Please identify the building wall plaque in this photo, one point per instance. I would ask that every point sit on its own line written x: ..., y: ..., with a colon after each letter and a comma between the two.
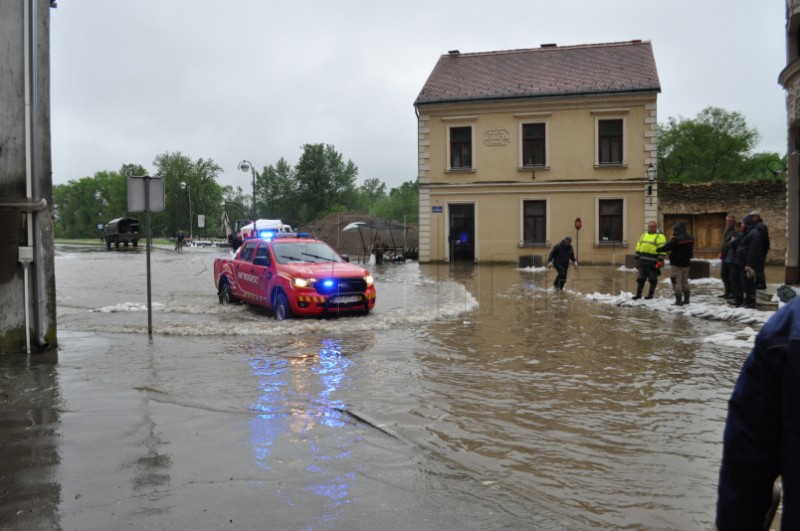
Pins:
x: 496, y: 137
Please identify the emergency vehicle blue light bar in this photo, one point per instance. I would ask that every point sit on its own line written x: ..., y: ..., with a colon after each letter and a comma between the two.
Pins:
x: 292, y: 235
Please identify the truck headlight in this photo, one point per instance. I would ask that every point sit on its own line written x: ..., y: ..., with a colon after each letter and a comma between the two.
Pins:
x: 299, y: 282
x: 369, y: 280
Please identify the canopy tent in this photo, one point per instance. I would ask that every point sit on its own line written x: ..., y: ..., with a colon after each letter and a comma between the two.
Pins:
x: 391, y: 248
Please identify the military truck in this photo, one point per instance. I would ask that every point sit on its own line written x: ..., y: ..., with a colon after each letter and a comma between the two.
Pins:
x: 121, y: 230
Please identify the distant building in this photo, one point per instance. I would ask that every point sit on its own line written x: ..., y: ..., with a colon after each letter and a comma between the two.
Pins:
x: 515, y: 146
x: 790, y: 80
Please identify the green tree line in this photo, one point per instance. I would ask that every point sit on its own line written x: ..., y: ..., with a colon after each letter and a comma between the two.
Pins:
x: 717, y: 145
x: 320, y: 183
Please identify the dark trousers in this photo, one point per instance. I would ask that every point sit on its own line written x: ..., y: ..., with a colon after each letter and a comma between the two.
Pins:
x: 761, y: 280
x: 748, y: 284
x: 647, y: 272
x: 736, y: 280
x: 561, y: 275
x: 725, y: 275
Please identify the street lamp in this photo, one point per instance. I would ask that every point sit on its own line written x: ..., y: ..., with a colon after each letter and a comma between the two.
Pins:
x: 188, y: 189
x: 246, y: 166
x: 651, y: 178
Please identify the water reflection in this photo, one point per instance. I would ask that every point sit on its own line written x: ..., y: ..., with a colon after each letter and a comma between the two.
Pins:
x: 152, y: 466
x: 297, y: 398
x: 30, y: 416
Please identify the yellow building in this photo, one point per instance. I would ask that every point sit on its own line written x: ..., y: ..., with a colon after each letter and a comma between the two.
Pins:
x: 516, y: 146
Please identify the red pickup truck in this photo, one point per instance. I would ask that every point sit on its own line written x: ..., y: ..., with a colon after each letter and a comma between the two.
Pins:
x: 293, y: 274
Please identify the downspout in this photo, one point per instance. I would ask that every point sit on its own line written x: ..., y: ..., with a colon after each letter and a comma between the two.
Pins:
x: 33, y: 183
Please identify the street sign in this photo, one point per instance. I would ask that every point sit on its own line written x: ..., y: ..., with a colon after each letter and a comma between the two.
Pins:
x: 137, y: 202
x: 578, y: 223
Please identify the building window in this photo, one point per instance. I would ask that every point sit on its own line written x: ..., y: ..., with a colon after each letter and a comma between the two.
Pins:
x: 609, y: 222
x: 609, y: 141
x: 534, y: 222
x: 460, y: 148
x: 533, y: 145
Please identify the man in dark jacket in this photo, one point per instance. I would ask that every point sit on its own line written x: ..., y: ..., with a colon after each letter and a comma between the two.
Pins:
x: 762, y: 432
x: 758, y: 224
x: 560, y: 256
x: 681, y: 250
x: 725, y: 268
x: 734, y: 267
x: 750, y: 254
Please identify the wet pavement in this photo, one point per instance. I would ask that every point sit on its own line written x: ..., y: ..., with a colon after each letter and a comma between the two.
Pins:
x: 471, y: 398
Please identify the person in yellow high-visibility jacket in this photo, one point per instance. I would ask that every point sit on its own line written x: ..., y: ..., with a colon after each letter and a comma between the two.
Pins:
x: 648, y: 259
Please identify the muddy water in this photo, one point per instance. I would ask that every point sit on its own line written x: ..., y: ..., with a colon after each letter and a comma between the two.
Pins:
x: 471, y: 398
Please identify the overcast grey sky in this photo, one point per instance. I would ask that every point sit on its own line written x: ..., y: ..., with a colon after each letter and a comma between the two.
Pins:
x: 255, y: 79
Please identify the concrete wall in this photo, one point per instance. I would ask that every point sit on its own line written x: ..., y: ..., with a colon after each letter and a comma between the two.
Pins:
x: 19, y: 228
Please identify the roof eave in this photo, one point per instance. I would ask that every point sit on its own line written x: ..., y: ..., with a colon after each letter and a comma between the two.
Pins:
x: 537, y: 96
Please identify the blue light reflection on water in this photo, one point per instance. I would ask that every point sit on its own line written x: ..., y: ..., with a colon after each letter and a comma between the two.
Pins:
x: 293, y: 402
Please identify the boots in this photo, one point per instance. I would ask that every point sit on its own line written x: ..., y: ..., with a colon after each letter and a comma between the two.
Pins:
x: 685, y: 298
x: 749, y: 301
x: 651, y: 292
x: 639, y: 288
x: 728, y: 291
x: 736, y: 301
x: 678, y: 300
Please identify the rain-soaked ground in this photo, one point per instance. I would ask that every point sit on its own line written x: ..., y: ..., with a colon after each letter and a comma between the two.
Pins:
x: 471, y: 398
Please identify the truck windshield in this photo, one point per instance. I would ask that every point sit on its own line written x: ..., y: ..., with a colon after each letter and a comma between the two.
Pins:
x: 296, y: 252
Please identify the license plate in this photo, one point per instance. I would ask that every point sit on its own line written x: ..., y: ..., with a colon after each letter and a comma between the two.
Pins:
x: 347, y: 299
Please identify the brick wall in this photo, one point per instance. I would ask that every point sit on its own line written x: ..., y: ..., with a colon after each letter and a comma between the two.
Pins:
x: 739, y: 199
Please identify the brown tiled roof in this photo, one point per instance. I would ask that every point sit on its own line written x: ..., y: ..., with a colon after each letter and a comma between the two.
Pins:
x: 539, y: 72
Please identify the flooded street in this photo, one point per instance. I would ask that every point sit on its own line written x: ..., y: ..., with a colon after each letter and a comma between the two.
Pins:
x: 472, y: 397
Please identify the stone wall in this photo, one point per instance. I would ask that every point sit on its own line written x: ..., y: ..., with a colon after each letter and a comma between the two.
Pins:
x: 739, y: 199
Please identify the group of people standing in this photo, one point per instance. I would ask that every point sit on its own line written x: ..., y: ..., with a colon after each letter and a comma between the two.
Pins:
x: 743, y: 254
x: 745, y: 245
x: 651, y: 250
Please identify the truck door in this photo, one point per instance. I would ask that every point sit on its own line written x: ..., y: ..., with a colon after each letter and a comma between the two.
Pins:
x: 264, y: 270
x: 246, y: 277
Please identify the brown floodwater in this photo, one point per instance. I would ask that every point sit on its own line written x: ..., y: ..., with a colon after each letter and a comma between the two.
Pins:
x: 473, y: 397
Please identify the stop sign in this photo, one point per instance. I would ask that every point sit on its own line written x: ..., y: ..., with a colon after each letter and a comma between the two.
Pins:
x: 577, y: 223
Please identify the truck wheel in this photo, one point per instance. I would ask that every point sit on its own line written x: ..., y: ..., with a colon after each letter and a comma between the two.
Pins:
x: 108, y: 243
x: 282, y: 309
x: 225, y: 294
x: 136, y: 243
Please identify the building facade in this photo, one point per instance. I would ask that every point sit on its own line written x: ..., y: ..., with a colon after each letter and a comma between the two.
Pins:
x: 519, y: 149
x: 790, y: 80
